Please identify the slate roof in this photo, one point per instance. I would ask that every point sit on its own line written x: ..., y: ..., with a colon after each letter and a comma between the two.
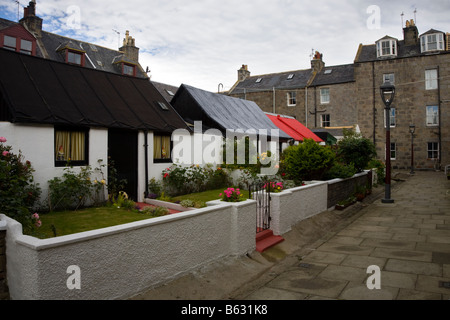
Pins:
x: 275, y: 80
x: 37, y: 90
x: 166, y: 90
x: 97, y: 57
x: 334, y: 75
x: 368, y: 53
x: 221, y: 112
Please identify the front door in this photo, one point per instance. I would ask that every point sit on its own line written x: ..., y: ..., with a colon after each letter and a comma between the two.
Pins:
x: 123, y: 151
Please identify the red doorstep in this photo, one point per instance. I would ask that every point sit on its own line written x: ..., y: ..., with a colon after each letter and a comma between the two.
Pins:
x: 266, y: 239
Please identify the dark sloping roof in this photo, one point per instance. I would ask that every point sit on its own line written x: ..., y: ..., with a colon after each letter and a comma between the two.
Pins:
x: 166, y: 90
x: 221, y: 111
x: 368, y: 53
x: 284, y: 80
x: 37, y: 90
x: 97, y: 57
x: 334, y: 75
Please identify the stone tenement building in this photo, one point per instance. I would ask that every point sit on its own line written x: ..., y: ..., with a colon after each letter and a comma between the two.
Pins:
x: 316, y: 97
x: 348, y: 95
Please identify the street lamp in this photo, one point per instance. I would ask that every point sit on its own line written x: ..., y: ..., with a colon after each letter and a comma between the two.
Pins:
x: 387, y: 91
x: 412, y: 129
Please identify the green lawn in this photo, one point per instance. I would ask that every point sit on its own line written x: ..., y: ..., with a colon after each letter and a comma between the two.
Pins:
x: 206, y: 195
x: 69, y: 222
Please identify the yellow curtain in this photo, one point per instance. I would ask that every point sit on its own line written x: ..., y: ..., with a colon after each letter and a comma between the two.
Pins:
x: 69, y: 145
x: 161, y: 147
x: 165, y: 151
x: 156, y: 147
x: 77, y: 146
x: 62, y: 145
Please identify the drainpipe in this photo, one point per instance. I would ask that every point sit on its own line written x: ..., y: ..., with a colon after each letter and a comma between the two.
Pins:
x: 146, y: 162
x: 440, y: 120
x: 274, y: 108
x: 374, y: 104
x: 306, y: 106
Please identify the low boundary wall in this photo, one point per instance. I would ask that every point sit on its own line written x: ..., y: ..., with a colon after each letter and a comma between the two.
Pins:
x: 123, y: 261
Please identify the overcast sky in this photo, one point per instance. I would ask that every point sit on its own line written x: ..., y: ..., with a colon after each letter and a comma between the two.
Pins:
x: 204, y: 42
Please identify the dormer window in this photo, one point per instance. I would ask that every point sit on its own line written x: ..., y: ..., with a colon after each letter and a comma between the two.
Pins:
x: 128, y: 69
x: 74, y: 57
x: 387, y: 47
x: 17, y: 44
x: 432, y: 42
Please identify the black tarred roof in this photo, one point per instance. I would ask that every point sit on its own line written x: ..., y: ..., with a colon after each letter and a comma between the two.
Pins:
x: 37, y: 90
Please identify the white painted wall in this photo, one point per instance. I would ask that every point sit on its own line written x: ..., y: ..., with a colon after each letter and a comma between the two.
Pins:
x: 122, y: 261
x: 36, y: 142
x: 291, y: 206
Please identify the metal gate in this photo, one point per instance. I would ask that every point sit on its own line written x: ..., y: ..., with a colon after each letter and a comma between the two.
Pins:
x: 261, y: 194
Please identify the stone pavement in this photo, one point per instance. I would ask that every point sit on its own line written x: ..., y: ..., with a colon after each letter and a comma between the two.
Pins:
x: 327, y: 256
x: 408, y: 240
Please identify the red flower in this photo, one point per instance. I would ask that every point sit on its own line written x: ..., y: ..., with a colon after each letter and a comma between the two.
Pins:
x: 166, y: 175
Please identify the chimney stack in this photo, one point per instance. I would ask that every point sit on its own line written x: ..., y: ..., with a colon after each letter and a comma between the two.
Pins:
x: 32, y: 22
x: 129, y: 47
x: 317, y: 63
x: 411, y: 33
x: 243, y: 73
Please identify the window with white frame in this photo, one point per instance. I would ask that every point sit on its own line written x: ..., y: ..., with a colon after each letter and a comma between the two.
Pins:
x: 325, y: 96
x: 292, y: 99
x: 431, y: 79
x: 392, y: 119
x: 386, y: 48
x: 432, y: 42
x: 325, y: 121
x: 433, y: 150
x: 432, y: 116
x: 393, y: 151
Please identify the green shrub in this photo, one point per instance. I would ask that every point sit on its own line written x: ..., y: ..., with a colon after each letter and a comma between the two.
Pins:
x: 339, y: 170
x: 380, y: 169
x: 155, y: 211
x: 306, y: 161
x: 18, y: 192
x: 356, y: 149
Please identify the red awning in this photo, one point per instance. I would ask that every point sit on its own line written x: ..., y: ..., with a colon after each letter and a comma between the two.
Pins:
x: 293, y: 128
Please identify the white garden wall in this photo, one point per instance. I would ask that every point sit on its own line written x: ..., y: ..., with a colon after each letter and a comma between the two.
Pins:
x: 122, y: 261
x: 291, y: 206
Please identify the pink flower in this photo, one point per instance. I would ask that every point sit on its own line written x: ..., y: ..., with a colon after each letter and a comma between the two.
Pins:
x: 35, y: 216
x: 5, y: 153
x: 2, y: 139
x: 38, y: 223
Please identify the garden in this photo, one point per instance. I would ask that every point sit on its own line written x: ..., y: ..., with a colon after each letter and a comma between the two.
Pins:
x: 83, y: 199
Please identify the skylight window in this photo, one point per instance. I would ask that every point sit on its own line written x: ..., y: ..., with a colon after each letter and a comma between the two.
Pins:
x: 290, y: 77
x: 258, y: 80
x: 162, y: 105
x: 329, y: 71
x: 170, y: 92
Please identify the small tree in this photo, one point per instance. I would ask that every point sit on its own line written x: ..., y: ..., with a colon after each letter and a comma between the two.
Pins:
x: 357, y: 150
x: 18, y: 192
x: 306, y: 161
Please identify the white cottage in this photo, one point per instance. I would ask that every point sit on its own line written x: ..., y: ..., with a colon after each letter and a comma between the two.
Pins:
x: 55, y: 112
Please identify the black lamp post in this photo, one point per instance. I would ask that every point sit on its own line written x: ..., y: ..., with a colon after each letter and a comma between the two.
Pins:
x: 412, y: 129
x: 387, y: 91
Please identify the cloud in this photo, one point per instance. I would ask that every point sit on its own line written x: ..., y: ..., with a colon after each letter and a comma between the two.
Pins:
x: 204, y: 42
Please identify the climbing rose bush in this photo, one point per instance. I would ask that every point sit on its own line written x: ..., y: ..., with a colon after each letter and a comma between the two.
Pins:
x: 18, y: 192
